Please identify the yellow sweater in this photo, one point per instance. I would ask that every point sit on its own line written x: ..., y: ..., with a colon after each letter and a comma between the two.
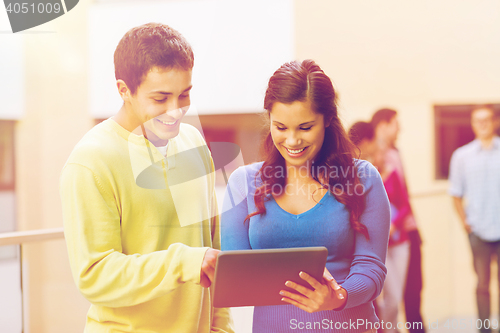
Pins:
x: 135, y: 241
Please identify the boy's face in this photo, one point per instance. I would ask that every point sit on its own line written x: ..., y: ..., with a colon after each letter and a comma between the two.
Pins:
x: 160, y: 102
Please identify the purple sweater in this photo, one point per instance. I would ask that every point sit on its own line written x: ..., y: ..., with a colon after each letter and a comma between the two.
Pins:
x: 355, y: 262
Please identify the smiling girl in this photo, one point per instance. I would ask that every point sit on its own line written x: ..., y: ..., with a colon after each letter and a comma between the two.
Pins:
x: 310, y: 191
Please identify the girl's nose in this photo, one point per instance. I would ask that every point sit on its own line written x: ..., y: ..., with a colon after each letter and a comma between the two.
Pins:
x: 293, y: 141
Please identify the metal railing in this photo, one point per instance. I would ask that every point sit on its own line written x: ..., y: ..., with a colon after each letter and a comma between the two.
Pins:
x: 19, y: 239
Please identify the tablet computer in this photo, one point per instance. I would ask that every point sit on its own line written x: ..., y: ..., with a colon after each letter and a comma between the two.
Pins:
x: 255, y: 277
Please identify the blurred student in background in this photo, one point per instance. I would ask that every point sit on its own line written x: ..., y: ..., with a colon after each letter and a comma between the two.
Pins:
x: 475, y: 176
x: 386, y: 127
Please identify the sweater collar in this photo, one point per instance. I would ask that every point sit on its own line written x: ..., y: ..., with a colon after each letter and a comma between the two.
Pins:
x: 141, y: 141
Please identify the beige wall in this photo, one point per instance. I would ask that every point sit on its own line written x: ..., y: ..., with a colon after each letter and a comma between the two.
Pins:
x: 401, y: 54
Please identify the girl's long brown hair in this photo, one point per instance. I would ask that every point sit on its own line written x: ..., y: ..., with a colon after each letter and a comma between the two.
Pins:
x: 296, y: 81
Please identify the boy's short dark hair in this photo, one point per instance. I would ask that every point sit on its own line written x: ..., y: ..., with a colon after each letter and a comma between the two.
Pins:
x: 150, y: 45
x: 360, y: 131
x: 382, y: 115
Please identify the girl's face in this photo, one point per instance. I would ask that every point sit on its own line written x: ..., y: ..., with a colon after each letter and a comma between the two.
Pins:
x: 297, y: 131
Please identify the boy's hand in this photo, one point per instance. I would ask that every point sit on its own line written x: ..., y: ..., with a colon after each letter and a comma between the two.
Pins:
x: 208, y: 267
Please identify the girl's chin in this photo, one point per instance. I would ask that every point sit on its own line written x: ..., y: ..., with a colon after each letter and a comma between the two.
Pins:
x: 296, y: 162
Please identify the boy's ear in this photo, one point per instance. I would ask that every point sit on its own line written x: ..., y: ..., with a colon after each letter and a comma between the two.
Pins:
x: 123, y: 90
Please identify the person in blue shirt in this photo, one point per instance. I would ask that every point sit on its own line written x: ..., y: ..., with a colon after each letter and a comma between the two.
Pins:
x: 475, y: 176
x: 311, y: 191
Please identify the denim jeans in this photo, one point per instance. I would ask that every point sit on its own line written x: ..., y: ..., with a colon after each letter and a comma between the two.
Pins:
x: 482, y: 253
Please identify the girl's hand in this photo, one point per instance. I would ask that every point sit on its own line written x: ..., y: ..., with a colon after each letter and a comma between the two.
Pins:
x: 325, y: 296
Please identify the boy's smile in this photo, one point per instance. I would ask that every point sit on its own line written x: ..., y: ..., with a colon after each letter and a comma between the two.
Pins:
x: 159, y: 103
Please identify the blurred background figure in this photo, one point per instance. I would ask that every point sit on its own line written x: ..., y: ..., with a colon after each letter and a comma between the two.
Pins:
x: 475, y: 176
x: 362, y: 135
x: 386, y: 127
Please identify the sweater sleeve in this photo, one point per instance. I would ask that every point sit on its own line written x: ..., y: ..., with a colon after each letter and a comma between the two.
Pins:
x: 222, y: 321
x: 367, y: 273
x: 103, y: 274
x: 234, y: 231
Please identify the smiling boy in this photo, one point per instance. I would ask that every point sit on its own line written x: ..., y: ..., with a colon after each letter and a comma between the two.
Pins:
x: 139, y: 251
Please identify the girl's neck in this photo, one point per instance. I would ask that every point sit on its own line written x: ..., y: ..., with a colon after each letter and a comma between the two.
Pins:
x: 298, y: 174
